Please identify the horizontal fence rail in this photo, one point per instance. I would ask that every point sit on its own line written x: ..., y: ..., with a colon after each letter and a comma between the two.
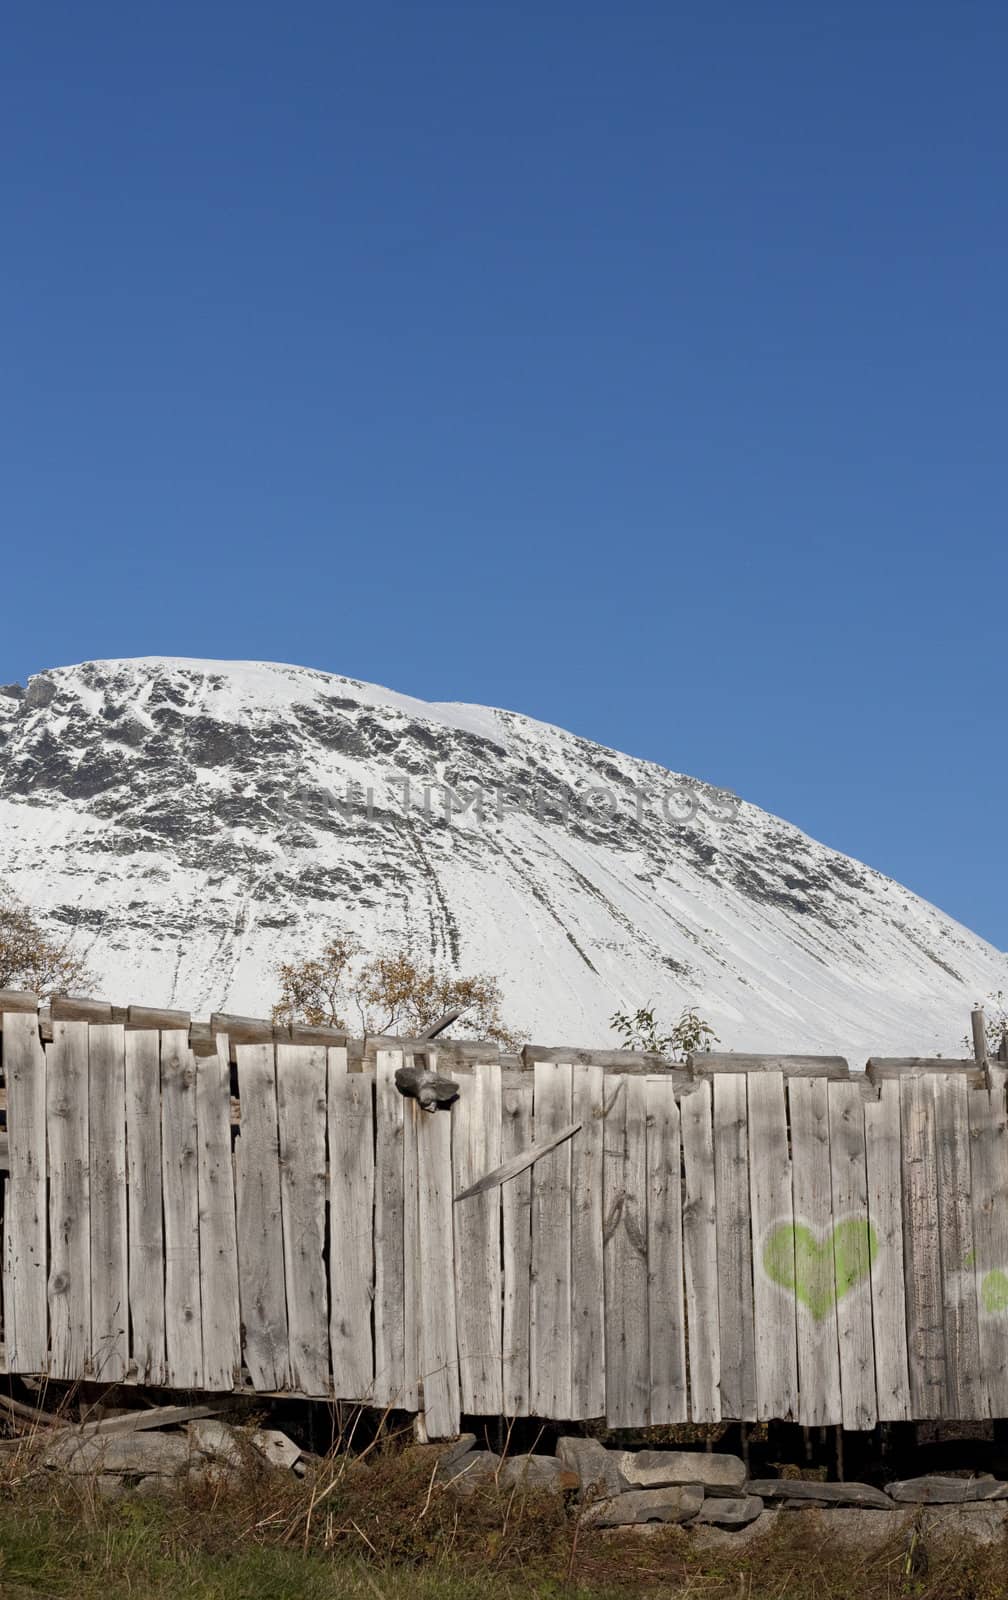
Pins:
x: 748, y: 1238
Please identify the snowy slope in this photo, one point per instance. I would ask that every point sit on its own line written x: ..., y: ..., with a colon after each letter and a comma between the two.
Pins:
x: 192, y: 821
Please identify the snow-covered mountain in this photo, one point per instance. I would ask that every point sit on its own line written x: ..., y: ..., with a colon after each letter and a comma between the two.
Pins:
x: 196, y: 822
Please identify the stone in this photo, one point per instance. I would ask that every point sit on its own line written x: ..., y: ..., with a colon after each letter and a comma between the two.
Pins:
x: 461, y: 1447
x: 652, y: 1469
x: 275, y: 1447
x: 675, y: 1503
x: 707, y: 1536
x: 935, y: 1490
x: 130, y: 1453
x: 858, y: 1528
x: 594, y: 1464
x: 808, y: 1491
x: 730, y: 1511
x: 216, y: 1441
x: 465, y: 1474
x: 538, y: 1472
x: 985, y: 1522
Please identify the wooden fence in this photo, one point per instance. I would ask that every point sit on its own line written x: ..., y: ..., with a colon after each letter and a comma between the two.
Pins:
x: 754, y: 1238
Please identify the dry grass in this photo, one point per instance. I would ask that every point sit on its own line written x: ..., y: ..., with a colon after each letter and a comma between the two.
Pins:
x: 378, y: 1527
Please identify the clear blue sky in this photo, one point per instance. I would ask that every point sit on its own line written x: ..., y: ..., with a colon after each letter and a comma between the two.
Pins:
x: 641, y: 367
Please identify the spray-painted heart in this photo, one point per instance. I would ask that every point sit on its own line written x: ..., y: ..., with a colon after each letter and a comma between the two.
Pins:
x: 994, y: 1291
x: 820, y: 1274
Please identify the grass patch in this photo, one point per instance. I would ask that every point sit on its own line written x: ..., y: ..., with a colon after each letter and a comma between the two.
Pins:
x: 380, y: 1529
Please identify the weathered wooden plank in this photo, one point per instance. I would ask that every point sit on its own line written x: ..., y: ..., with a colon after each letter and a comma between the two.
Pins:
x: 218, y: 1239
x: 819, y: 1400
x: 389, y: 1299
x: 881, y: 1068
x: 146, y: 1228
x: 517, y: 1162
x: 666, y: 1302
x: 624, y: 1254
x: 9, y: 1268
x: 69, y: 1200
x: 26, y: 1331
x: 885, y: 1213
x: 718, y: 1061
x: 989, y: 1195
x: 439, y: 1348
x: 550, y: 1301
x: 412, y: 1390
x: 77, y: 1008
x: 109, y: 1252
x: 855, y: 1251
x: 476, y: 1149
x: 156, y: 1017
x: 12, y: 1000
x: 351, y: 1218
x: 587, y: 1274
x: 516, y: 1219
x: 261, y: 1278
x: 965, y: 1394
x: 921, y: 1251
x: 700, y: 1255
x: 774, y: 1309
x: 180, y: 1190
x: 301, y: 1118
x: 734, y: 1248
x: 636, y: 1063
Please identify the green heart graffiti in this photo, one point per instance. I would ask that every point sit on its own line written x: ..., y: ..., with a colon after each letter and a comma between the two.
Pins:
x: 820, y: 1274
x: 994, y: 1291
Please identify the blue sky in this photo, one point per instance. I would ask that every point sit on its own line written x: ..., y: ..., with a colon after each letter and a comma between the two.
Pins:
x: 639, y: 367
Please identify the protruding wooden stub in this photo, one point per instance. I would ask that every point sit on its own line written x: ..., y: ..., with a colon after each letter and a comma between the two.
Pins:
x: 433, y: 1092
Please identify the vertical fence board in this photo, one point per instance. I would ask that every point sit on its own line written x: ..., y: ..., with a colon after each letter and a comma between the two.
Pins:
x: 964, y: 1390
x: 921, y: 1256
x: 476, y: 1150
x: 587, y: 1277
x: 853, y: 1254
x: 26, y: 1310
x: 516, y: 1218
x: 261, y: 1281
x: 69, y: 1200
x: 666, y: 1304
x: 734, y: 1248
x: 109, y: 1255
x: 773, y: 1248
x: 301, y: 1121
x: 989, y: 1168
x: 218, y: 1242
x: 819, y: 1403
x: 142, y: 1050
x: 180, y: 1178
x: 700, y: 1254
x: 412, y: 1276
x: 627, y: 1359
x: 390, y: 1287
x: 550, y: 1298
x: 439, y: 1346
x: 351, y: 1222
x: 882, y: 1149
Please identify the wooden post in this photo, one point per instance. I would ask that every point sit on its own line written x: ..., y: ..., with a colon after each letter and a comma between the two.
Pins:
x: 979, y: 1035
x: 1003, y: 1052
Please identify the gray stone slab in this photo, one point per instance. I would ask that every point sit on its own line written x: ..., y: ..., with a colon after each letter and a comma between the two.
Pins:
x: 538, y: 1472
x: 730, y: 1511
x: 652, y: 1469
x: 593, y: 1463
x: 676, y: 1503
x: 935, y: 1490
x: 806, y: 1491
x: 985, y: 1522
x: 463, y: 1475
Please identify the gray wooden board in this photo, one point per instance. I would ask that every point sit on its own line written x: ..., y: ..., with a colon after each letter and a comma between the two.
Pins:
x: 819, y: 1403
x: 853, y: 1263
x: 587, y: 1279
x: 624, y: 1250
x: 666, y: 1301
x: 734, y: 1248
x: 700, y: 1255
x: 146, y: 1227
x: 109, y: 1254
x: 26, y: 1227
x: 516, y: 1230
x: 180, y: 1181
x: 351, y: 1215
x: 261, y: 1278
x: 439, y: 1344
x: 921, y: 1251
x: 774, y: 1311
x: 301, y: 1121
x: 882, y: 1150
x: 412, y: 1276
x: 389, y: 1297
x: 476, y: 1149
x: 965, y: 1396
x: 550, y: 1295
x: 69, y: 1200
x: 9, y: 1268
x: 989, y: 1195
x: 218, y: 1239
